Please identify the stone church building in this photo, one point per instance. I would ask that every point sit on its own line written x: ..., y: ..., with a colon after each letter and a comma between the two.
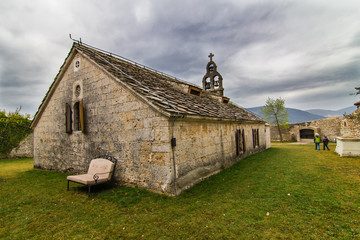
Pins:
x: 167, y: 134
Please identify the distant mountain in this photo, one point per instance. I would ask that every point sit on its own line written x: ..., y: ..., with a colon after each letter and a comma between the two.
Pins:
x: 331, y: 113
x: 295, y: 115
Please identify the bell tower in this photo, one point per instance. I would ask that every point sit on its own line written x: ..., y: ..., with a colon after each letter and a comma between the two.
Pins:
x: 212, y: 80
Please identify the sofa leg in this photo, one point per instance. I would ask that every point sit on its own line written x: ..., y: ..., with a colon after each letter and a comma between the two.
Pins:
x: 89, y: 190
x: 68, y: 185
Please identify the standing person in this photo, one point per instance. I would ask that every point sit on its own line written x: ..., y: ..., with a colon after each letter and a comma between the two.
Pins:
x: 317, y: 141
x: 325, y: 142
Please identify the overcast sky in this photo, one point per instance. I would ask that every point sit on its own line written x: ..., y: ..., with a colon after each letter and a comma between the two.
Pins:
x: 306, y: 51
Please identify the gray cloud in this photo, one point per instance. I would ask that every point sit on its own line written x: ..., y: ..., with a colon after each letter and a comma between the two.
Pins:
x: 292, y: 49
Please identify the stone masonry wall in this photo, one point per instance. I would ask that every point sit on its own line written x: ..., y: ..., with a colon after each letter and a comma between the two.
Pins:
x: 329, y: 127
x: 116, y: 123
x: 350, y: 127
x: 206, y: 147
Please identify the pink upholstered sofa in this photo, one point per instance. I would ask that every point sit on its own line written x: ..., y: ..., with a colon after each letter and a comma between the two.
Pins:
x: 101, y: 170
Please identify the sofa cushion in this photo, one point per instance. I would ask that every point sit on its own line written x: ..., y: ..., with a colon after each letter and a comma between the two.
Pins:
x: 102, y: 167
x: 87, y: 179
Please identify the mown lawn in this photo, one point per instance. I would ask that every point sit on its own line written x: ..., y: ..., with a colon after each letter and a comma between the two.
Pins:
x: 286, y: 192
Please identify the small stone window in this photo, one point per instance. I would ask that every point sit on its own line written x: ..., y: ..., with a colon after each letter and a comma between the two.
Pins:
x: 225, y: 100
x: 77, y: 90
x: 194, y: 91
x: 77, y: 64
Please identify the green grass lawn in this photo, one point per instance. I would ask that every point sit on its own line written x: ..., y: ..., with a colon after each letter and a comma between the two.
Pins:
x: 286, y: 192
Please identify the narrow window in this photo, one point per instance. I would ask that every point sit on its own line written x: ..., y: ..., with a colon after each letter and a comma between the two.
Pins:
x: 240, y: 141
x: 254, y: 141
x: 237, y: 142
x: 79, y: 116
x: 68, y: 118
x: 243, y: 140
x: 255, y: 133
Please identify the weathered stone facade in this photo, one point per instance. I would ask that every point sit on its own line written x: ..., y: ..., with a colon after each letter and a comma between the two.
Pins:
x: 117, y: 123
x: 153, y: 137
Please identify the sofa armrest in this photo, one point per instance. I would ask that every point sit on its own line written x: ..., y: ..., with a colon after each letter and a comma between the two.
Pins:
x: 96, y: 176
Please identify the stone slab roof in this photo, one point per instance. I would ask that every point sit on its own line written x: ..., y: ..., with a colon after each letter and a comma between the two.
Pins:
x: 164, y: 91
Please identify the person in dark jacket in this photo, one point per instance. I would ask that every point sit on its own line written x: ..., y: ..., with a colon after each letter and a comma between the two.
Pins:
x: 325, y: 142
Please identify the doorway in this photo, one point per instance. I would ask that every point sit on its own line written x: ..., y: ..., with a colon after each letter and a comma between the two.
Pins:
x: 306, y: 134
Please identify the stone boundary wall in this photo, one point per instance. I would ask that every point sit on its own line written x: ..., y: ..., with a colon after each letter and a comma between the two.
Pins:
x: 350, y: 127
x: 330, y: 127
x: 25, y: 149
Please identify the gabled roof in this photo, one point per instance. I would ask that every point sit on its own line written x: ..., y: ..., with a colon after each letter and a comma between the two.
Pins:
x: 160, y: 90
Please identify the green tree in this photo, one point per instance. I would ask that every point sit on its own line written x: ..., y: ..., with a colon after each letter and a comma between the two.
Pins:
x: 275, y: 113
x: 14, y: 127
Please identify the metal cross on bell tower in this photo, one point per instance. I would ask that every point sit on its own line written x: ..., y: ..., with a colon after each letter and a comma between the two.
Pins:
x: 210, y: 56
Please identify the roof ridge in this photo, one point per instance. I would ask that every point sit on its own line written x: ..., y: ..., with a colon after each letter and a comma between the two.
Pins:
x: 111, y: 54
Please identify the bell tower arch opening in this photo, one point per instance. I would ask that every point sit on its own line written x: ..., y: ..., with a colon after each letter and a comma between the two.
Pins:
x: 212, y: 80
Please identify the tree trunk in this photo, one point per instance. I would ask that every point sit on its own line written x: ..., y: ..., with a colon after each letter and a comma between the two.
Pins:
x: 278, y: 126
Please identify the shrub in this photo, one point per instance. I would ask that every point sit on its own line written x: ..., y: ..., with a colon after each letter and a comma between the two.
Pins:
x: 14, y: 127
